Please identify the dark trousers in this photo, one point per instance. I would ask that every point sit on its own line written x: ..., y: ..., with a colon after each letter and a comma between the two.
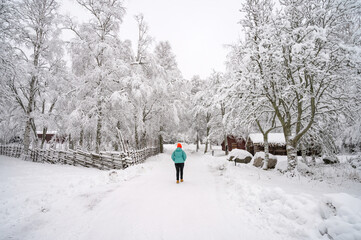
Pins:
x: 179, y: 167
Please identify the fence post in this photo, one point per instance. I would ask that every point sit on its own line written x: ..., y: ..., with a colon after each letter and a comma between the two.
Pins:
x: 113, y: 161
x: 85, y: 161
x: 74, y: 158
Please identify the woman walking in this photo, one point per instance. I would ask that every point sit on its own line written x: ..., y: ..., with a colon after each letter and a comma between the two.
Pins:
x: 179, y: 157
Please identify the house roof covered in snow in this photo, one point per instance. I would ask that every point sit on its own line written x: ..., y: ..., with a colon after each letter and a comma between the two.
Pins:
x: 273, y: 138
x: 48, y: 132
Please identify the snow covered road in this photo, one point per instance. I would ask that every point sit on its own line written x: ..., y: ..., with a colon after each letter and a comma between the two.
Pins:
x: 155, y: 207
x: 216, y: 201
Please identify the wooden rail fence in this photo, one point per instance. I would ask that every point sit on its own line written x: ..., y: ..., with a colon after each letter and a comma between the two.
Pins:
x: 104, y: 160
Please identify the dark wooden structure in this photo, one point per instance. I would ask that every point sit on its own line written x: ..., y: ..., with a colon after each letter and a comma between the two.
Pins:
x: 276, y: 143
x: 234, y: 143
x: 254, y: 143
x: 50, y: 136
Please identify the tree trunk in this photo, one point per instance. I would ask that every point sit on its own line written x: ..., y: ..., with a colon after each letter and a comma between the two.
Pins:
x: 207, y: 140
x: 226, y: 143
x: 89, y: 140
x: 71, y: 142
x: 33, y: 127
x: 29, y: 111
x: 197, y: 144
x: 223, y: 113
x: 120, y: 138
x: 81, y: 140
x: 208, y: 119
x: 116, y: 146
x: 206, y: 147
x: 266, y: 151
x: 144, y: 139
x: 313, y: 152
x: 27, y: 136
x: 291, y: 154
x: 303, y: 152
x: 161, y: 140
x: 313, y: 160
x: 43, y: 137
x: 99, y: 128
x: 136, y: 133
x: 161, y: 143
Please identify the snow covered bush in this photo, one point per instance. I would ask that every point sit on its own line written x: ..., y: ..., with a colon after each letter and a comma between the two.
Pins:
x: 240, y: 156
x: 342, y: 216
x: 355, y: 162
x: 330, y: 159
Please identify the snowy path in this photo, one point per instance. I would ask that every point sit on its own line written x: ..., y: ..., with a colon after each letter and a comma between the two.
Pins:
x: 154, y: 207
x: 42, y: 201
x: 149, y: 205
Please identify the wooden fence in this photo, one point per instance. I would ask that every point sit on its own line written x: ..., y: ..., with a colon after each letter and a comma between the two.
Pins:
x: 104, y: 160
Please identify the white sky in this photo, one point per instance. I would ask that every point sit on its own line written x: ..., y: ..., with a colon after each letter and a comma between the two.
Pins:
x: 196, y: 29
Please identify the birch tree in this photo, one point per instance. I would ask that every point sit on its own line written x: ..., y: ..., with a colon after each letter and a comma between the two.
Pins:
x: 99, y: 69
x: 318, y: 60
x: 10, y: 120
x: 310, y: 56
x: 253, y: 71
x: 37, y: 32
x: 170, y: 97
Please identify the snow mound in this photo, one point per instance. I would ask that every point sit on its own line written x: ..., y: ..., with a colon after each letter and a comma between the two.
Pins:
x: 281, y: 165
x: 296, y: 214
x: 240, y: 156
x: 342, y: 216
x: 355, y: 162
x: 303, y: 168
x: 262, y: 155
x: 239, y: 153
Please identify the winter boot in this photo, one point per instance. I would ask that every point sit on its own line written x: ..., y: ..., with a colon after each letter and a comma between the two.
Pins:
x: 181, y: 180
x: 177, y: 181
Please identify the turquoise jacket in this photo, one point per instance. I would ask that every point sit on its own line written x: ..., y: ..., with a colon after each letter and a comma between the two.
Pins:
x: 179, y: 156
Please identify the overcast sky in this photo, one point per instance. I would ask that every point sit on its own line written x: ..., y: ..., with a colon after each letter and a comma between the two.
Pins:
x: 196, y: 29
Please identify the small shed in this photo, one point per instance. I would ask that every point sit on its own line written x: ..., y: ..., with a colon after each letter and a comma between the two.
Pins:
x: 276, y: 143
x: 234, y: 143
x: 50, y: 135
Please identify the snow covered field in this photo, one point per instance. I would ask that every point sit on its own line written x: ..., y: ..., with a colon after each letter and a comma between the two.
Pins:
x: 217, y: 201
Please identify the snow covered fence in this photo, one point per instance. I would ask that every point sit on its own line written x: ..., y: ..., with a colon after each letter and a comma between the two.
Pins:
x: 11, y: 150
x: 103, y: 161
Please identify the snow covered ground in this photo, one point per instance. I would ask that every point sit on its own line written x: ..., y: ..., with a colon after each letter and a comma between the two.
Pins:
x: 217, y: 201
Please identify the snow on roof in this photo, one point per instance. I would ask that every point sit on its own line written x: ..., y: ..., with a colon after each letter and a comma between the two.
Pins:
x: 48, y: 132
x: 239, y: 153
x: 273, y: 138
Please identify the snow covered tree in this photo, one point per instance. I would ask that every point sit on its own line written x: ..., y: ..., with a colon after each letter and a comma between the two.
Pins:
x: 197, y: 115
x: 219, y: 98
x: 205, y: 107
x: 35, y: 41
x: 140, y: 90
x: 96, y: 62
x: 254, y: 70
x: 318, y: 60
x: 10, y: 116
x: 169, y: 101
x: 303, y: 59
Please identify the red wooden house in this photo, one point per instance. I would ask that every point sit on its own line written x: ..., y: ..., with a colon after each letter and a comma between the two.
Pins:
x: 276, y: 143
x: 50, y: 135
x: 234, y: 143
